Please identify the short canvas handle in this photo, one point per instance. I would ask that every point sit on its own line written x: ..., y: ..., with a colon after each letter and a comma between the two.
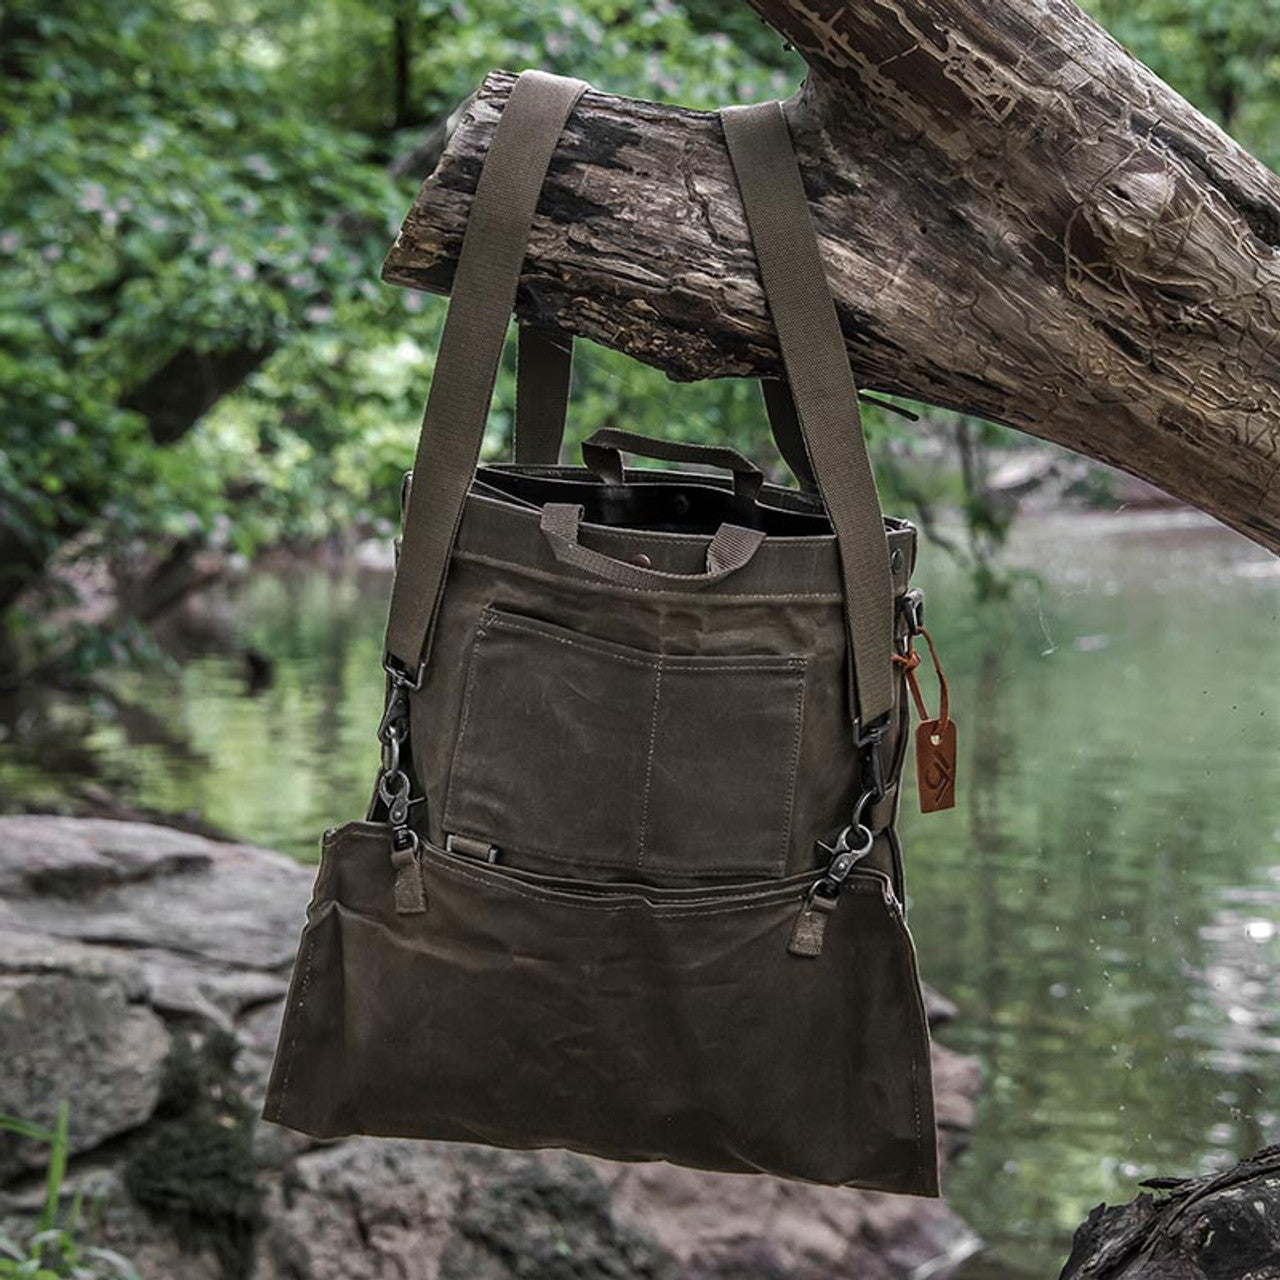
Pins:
x: 728, y: 551
x: 602, y: 453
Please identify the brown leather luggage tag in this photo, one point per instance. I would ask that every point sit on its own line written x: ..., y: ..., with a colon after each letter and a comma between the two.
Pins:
x: 935, y: 738
x: 936, y: 764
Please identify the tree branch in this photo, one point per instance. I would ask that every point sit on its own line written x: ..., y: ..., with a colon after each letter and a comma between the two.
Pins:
x: 1019, y: 220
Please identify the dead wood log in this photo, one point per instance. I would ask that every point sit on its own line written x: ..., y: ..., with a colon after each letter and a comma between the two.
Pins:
x: 1019, y: 219
x: 1224, y: 1226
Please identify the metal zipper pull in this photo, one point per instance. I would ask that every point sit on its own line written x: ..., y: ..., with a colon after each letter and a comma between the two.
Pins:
x: 408, y: 892
x: 810, y: 929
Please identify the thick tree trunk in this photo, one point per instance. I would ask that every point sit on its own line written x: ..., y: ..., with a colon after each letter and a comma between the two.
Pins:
x: 1020, y: 221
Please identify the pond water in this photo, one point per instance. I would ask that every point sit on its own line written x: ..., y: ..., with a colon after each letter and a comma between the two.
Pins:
x: 1103, y: 903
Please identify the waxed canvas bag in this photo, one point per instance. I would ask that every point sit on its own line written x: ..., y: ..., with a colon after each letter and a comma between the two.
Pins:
x: 630, y: 883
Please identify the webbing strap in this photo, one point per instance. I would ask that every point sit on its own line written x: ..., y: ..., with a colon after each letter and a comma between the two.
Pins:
x: 483, y: 296
x: 784, y: 422
x: 826, y: 399
x: 544, y: 372
x: 730, y: 548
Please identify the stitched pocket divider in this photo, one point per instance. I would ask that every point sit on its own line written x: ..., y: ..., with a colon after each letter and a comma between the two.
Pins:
x: 582, y: 751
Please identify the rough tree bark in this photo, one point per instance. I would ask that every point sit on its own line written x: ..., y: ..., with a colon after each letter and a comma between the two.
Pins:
x: 1222, y: 1226
x: 1020, y: 221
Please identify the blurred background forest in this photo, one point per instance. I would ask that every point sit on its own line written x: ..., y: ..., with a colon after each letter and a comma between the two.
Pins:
x: 203, y: 374
x: 195, y: 199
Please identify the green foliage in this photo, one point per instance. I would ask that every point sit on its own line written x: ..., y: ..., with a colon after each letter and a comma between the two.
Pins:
x: 212, y: 176
x: 159, y: 192
x: 54, y: 1251
x: 1222, y: 55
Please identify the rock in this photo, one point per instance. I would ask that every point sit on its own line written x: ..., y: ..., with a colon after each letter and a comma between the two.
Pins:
x: 55, y: 856
x: 135, y: 961
x: 227, y: 904
x: 179, y: 985
x: 724, y: 1226
x: 436, y: 1211
x: 938, y: 1009
x: 28, y: 952
x: 75, y: 1039
x: 439, y: 1211
x: 956, y: 1079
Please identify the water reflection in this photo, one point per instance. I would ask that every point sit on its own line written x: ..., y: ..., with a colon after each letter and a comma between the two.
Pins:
x: 1102, y: 902
x: 1120, y: 784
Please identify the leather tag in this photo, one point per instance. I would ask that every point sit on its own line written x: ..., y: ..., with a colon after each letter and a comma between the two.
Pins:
x: 936, y: 765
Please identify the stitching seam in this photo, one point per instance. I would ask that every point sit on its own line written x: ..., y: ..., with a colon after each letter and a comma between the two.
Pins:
x: 736, y: 869
x: 472, y: 667
x: 296, y: 1013
x: 728, y: 907
x: 602, y: 588
x: 606, y: 648
x: 789, y: 800
x: 648, y: 771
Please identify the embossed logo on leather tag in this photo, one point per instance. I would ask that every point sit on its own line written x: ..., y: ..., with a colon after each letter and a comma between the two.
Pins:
x: 936, y: 764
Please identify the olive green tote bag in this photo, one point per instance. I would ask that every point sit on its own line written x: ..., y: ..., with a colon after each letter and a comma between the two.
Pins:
x: 630, y: 883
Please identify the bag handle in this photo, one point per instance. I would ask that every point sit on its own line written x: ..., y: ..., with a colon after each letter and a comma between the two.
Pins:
x: 544, y: 372
x: 785, y: 425
x: 826, y: 398
x: 602, y: 453
x: 728, y: 551
x: 544, y: 375
x: 483, y: 297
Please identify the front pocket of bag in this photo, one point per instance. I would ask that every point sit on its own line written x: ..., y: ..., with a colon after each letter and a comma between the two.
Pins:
x: 593, y: 753
x: 630, y: 1022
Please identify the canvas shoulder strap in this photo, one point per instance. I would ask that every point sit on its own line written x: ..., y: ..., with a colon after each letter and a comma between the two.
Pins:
x: 483, y: 297
x: 822, y: 386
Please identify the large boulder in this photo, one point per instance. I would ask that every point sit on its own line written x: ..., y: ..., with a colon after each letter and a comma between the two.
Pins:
x: 66, y: 1037
x: 142, y: 975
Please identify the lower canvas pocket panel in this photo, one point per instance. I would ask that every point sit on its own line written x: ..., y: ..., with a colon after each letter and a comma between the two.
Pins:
x: 598, y: 754
x: 618, y: 1020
